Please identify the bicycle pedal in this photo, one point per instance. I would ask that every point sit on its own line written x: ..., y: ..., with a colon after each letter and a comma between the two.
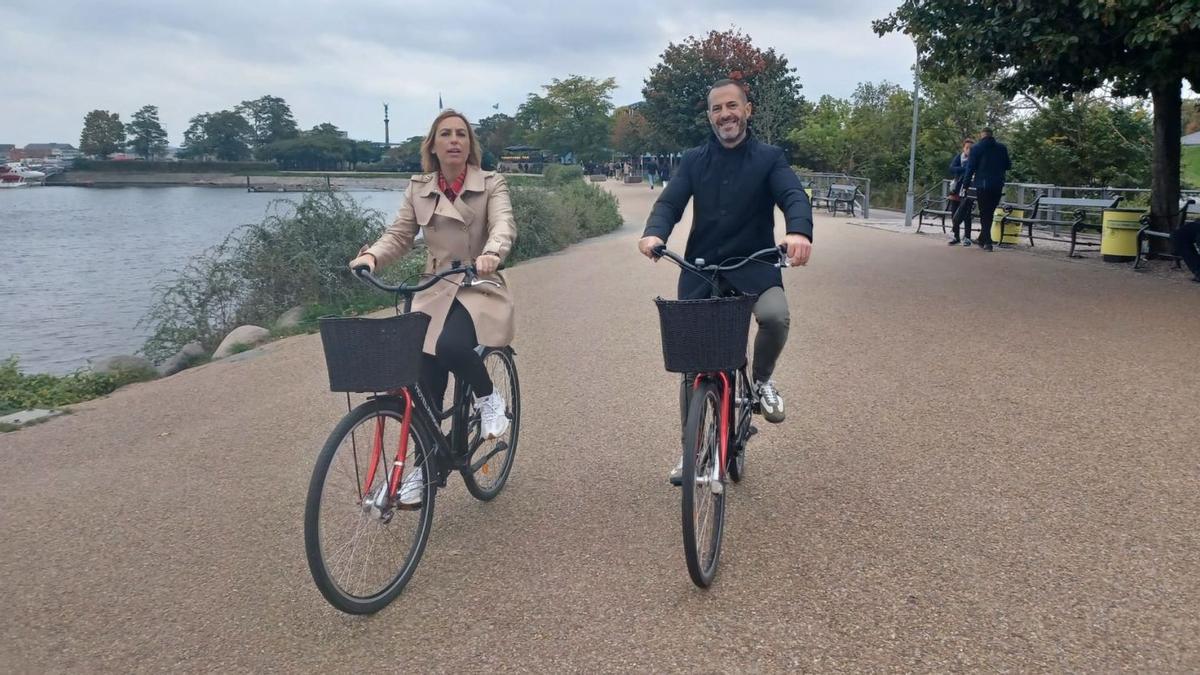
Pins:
x: 753, y: 430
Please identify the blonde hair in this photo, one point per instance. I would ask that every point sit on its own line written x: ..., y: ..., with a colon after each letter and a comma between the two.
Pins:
x: 429, y: 161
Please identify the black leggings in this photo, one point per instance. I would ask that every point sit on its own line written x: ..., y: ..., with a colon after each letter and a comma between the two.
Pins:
x: 455, y: 354
x: 962, y: 215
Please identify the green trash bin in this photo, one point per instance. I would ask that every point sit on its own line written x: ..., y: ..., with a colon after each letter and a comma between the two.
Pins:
x: 1118, y: 238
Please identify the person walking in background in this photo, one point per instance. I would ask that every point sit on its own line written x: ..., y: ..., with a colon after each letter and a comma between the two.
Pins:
x: 986, y: 168
x: 959, y: 204
x: 651, y: 169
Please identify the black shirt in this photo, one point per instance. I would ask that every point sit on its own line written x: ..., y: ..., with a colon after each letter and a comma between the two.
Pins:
x: 735, y: 192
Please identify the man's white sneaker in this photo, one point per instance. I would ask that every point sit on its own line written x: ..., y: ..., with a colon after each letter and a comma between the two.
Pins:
x: 770, y: 401
x: 493, y: 417
x: 412, y: 488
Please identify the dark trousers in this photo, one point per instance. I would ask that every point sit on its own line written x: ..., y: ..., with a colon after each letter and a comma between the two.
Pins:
x: 988, y: 201
x: 1183, y: 241
x: 962, y: 216
x: 455, y: 353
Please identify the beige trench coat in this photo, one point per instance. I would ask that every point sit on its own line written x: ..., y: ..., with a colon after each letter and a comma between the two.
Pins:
x: 480, y: 219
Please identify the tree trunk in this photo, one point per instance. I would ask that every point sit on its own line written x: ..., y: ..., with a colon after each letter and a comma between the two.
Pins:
x: 1164, y: 181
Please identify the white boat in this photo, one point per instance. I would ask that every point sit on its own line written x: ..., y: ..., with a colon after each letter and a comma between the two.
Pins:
x: 14, y: 175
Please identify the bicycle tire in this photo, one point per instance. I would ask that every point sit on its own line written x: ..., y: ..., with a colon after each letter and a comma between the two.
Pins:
x: 701, y: 447
x: 487, y: 490
x: 322, y: 565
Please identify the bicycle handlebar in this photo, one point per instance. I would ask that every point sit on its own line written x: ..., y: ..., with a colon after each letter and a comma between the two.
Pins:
x: 661, y: 251
x: 364, y: 274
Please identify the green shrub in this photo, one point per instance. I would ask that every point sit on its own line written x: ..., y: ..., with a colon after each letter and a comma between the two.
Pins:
x: 543, y: 225
x: 593, y: 210
x: 19, y: 391
x: 296, y: 256
x: 562, y: 174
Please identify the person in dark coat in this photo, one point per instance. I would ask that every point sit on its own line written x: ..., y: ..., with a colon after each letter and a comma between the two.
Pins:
x: 735, y: 183
x: 986, y: 169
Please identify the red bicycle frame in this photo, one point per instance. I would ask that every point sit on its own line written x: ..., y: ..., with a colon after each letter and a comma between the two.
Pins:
x: 401, y: 450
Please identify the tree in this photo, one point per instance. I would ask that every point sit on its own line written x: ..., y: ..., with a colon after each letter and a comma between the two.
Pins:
x: 310, y: 151
x: 1087, y: 141
x: 407, y: 155
x: 572, y: 117
x: 676, y: 91
x: 496, y: 132
x: 271, y: 119
x: 102, y: 135
x: 326, y: 129
x: 631, y: 133
x: 225, y: 135
x: 364, y: 152
x: 823, y: 143
x: 147, y: 138
x: 1064, y: 47
x: 1191, y: 116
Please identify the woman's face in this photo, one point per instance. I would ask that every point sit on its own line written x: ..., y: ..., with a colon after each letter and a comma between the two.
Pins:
x: 967, y: 148
x: 451, y: 141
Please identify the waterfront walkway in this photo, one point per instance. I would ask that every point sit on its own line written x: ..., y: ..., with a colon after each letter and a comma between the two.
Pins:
x: 990, y: 462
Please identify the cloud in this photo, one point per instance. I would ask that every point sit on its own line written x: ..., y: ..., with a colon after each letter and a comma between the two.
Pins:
x: 337, y: 62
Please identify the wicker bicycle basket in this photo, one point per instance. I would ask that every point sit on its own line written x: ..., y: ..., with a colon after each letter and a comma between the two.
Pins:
x: 369, y: 355
x: 705, y: 335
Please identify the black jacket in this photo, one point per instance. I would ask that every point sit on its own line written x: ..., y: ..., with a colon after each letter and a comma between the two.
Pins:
x: 987, y: 165
x: 735, y: 192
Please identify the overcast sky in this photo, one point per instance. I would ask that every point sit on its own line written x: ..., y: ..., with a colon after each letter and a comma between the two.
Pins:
x: 340, y: 60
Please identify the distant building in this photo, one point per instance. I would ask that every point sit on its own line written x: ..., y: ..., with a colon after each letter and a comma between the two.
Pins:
x: 5, y: 149
x: 63, y: 152
x: 521, y: 159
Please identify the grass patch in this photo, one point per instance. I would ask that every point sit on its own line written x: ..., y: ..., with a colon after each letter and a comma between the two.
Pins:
x: 1190, y: 166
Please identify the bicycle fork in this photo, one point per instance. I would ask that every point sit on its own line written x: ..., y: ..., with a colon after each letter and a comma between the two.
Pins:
x: 715, y: 480
x: 380, y: 502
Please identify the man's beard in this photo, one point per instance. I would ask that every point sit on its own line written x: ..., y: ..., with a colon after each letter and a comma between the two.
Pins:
x: 738, y: 131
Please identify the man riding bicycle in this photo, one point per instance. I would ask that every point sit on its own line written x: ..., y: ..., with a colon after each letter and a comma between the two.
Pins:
x: 736, y: 182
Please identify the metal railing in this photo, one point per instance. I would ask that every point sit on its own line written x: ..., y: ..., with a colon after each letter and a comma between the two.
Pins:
x: 820, y: 182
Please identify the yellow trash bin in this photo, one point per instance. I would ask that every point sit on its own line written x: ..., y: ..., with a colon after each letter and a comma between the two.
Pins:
x: 1119, y: 228
x: 1012, y: 231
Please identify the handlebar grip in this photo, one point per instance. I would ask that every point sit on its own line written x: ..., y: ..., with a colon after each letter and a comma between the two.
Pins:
x: 658, y: 250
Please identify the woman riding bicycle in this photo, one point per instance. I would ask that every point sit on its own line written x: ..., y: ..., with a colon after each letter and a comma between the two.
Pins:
x: 465, y: 215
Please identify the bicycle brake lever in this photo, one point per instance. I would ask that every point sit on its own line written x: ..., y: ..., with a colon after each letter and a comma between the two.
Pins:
x: 477, y: 282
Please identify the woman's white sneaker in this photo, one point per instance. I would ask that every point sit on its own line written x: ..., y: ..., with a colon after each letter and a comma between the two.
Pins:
x: 493, y: 417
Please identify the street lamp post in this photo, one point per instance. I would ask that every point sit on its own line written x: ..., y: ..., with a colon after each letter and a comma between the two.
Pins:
x: 912, y: 146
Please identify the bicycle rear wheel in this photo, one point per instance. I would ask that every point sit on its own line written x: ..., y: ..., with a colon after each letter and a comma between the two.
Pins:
x: 495, y: 457
x: 362, y: 547
x: 703, y: 506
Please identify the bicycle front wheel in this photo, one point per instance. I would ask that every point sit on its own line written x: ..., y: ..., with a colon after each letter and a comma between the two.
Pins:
x: 493, y: 459
x: 703, y: 497
x: 363, y: 547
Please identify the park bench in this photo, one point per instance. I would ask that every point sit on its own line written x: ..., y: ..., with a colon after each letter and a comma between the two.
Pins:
x: 837, y: 194
x: 1145, y: 234
x: 929, y: 208
x: 1043, y: 209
